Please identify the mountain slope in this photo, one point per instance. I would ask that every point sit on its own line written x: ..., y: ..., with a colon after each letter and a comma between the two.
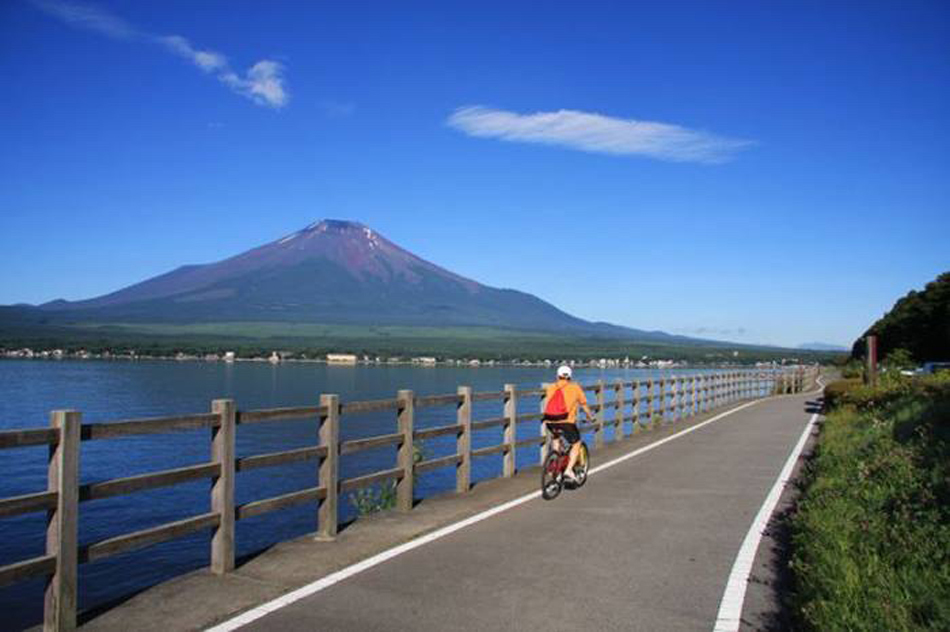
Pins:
x: 330, y: 272
x: 821, y: 346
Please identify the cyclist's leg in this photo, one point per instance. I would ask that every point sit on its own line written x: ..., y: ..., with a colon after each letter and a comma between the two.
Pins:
x: 555, y: 437
x: 572, y: 435
x: 575, y: 454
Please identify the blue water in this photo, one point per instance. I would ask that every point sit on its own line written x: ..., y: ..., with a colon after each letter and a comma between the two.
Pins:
x: 112, y: 390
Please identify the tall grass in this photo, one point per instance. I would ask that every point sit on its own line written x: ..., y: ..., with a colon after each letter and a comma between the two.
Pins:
x: 871, y: 537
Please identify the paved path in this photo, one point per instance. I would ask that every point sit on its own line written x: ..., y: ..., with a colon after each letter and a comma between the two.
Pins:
x: 646, y: 545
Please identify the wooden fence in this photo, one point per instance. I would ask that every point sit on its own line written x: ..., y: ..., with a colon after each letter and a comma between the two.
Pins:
x: 645, y: 403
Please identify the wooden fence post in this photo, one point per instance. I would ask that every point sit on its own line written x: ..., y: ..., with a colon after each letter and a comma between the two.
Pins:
x: 510, y: 463
x: 651, y: 401
x: 688, y: 396
x: 406, y: 458
x: 675, y: 394
x: 619, y: 406
x: 222, y: 486
x: 661, y: 396
x: 636, y: 407
x: 544, y: 432
x: 694, y: 382
x: 599, y: 432
x: 684, y: 397
x: 669, y: 398
x: 62, y: 522
x: 698, y: 394
x: 327, y: 517
x: 463, y: 471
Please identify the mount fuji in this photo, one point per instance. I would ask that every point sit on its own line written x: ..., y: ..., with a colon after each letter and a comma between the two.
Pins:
x: 332, y: 271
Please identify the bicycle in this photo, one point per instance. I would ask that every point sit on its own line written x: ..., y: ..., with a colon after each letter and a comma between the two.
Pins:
x: 552, y: 472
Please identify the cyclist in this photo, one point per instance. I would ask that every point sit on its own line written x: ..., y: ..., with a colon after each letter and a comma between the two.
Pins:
x: 563, y: 399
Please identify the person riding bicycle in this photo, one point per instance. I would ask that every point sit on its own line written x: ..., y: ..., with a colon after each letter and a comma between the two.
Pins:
x: 563, y: 399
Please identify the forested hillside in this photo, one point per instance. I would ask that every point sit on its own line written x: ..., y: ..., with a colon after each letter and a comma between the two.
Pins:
x: 919, y: 323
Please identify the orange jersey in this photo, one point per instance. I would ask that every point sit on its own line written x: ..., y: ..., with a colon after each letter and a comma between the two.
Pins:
x: 573, y: 397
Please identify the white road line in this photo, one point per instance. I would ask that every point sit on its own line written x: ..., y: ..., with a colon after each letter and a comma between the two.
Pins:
x: 730, y: 608
x: 334, y: 578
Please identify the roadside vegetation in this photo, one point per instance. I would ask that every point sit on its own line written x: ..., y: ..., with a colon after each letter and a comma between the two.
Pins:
x: 871, y: 536
x: 383, y: 496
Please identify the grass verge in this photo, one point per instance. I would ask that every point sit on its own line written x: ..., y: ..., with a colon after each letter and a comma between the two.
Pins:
x: 871, y: 537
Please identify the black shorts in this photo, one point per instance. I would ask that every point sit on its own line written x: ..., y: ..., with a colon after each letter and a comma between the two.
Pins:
x: 568, y: 431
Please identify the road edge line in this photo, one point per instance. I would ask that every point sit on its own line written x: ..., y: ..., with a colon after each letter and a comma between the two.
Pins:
x: 729, y: 616
x: 321, y: 584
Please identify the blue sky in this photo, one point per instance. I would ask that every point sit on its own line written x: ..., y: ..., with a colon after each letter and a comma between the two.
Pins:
x: 759, y: 172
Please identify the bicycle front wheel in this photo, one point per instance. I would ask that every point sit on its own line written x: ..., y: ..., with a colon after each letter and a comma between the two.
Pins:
x: 550, y: 477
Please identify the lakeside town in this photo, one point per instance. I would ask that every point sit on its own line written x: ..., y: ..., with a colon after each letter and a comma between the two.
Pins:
x: 351, y: 359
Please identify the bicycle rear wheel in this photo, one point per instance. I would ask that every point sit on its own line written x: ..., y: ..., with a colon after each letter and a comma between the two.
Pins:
x: 550, y: 477
x: 582, y: 467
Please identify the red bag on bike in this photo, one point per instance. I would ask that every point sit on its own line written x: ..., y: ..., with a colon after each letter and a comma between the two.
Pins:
x: 556, y: 408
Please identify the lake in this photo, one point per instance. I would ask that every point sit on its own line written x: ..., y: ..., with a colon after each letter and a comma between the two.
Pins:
x: 112, y: 390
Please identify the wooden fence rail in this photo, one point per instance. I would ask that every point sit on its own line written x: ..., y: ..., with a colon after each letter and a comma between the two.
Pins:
x: 645, y: 403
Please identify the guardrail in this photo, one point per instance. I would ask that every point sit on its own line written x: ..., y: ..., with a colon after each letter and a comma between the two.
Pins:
x: 646, y: 403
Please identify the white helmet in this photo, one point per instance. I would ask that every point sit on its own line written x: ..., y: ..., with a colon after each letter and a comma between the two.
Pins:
x: 564, y: 371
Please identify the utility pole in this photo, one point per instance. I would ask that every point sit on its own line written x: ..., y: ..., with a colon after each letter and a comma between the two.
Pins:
x: 870, y: 375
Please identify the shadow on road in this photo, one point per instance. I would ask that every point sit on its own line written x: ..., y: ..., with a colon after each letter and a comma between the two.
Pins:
x: 815, y: 406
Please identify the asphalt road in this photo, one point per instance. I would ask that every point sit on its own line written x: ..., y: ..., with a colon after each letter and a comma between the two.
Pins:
x: 646, y: 545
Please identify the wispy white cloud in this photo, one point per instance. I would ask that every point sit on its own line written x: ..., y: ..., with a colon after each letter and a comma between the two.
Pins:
x: 207, y: 60
x: 263, y: 83
x: 597, y: 133
x: 89, y: 17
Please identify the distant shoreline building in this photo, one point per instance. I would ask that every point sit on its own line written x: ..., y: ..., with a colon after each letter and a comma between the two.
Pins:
x: 341, y: 358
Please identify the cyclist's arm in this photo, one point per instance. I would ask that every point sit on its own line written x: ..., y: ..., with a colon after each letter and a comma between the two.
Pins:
x: 583, y: 400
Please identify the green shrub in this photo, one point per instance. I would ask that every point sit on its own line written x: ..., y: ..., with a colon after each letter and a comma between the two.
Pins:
x: 853, y: 369
x: 836, y: 391
x: 871, y: 537
x: 376, y: 498
x: 373, y: 499
x: 899, y: 359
